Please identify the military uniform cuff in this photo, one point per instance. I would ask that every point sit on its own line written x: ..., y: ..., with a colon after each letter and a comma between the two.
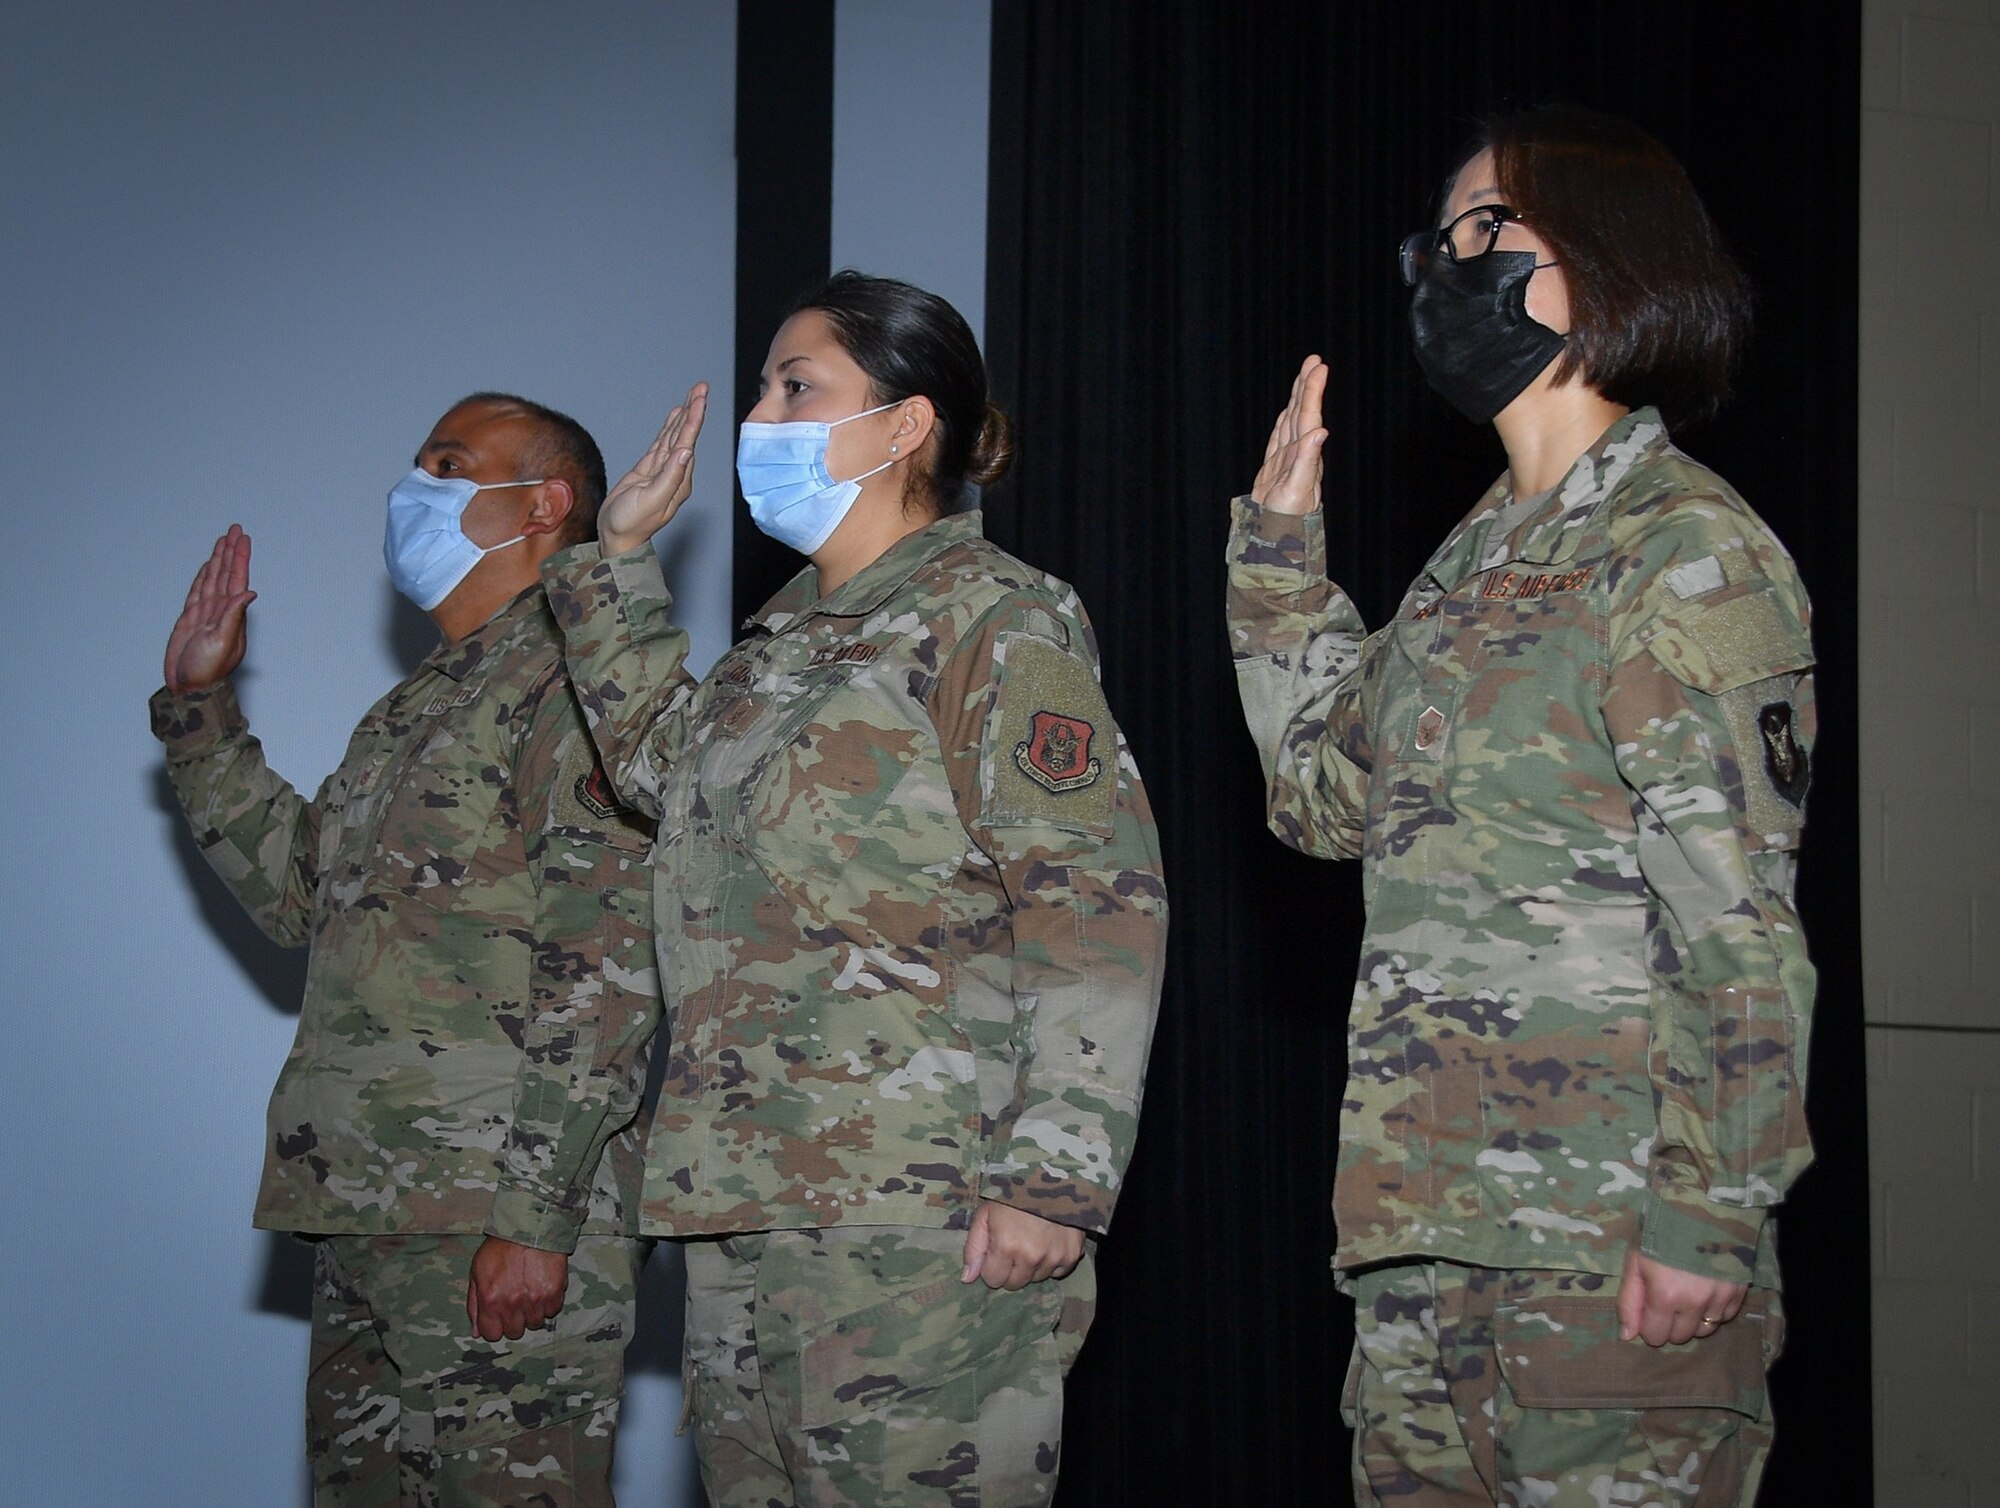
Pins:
x: 527, y: 1219
x: 1067, y: 1201
x: 1684, y: 1228
x: 188, y: 721
x: 1263, y: 539
x: 583, y: 578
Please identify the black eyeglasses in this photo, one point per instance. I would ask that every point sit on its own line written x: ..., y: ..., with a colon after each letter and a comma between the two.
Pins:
x: 1466, y: 239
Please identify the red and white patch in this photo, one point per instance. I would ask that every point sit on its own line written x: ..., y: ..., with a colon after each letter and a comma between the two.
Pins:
x: 595, y: 795
x: 1056, y: 755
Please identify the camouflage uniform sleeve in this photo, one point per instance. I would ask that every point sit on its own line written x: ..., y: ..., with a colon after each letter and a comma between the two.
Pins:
x: 258, y: 833
x: 1296, y: 641
x: 593, y: 991
x: 1050, y: 795
x: 1709, y: 708
x: 627, y: 661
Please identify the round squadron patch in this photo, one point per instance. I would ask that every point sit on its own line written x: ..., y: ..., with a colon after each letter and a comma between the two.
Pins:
x: 1056, y: 753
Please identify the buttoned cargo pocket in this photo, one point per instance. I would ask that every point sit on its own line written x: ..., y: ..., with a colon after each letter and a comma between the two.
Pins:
x: 906, y: 1350
x: 1562, y: 1351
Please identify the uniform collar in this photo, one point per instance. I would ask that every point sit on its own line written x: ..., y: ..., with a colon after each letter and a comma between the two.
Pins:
x: 1552, y: 532
x: 457, y: 661
x: 874, y: 583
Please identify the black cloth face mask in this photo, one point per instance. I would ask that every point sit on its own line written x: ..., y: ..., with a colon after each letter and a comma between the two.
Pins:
x: 1475, y: 341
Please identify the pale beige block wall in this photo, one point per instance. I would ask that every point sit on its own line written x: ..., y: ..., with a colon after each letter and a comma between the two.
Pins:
x: 1930, y: 739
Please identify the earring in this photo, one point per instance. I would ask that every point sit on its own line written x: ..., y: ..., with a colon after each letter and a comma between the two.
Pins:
x: 892, y: 450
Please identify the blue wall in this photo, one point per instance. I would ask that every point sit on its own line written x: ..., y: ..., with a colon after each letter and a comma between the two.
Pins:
x: 910, y: 82
x: 249, y: 253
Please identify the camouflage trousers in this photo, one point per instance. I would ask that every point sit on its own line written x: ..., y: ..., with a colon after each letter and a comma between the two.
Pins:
x: 406, y: 1406
x: 1474, y: 1385
x: 850, y: 1366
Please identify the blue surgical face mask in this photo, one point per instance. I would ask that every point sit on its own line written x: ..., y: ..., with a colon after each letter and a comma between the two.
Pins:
x: 424, y: 545
x: 782, y: 468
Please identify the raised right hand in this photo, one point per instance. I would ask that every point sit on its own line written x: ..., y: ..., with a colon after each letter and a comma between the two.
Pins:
x: 206, y: 645
x: 651, y: 493
x: 1288, y: 481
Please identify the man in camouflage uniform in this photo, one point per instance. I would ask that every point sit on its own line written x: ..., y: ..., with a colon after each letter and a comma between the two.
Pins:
x: 912, y: 924
x: 453, y: 1125
x: 1574, y: 769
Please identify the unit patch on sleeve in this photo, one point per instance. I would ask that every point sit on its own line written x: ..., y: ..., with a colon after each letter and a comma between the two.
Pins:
x: 583, y: 802
x: 1763, y: 729
x: 1050, y: 750
x: 1056, y: 753
x: 594, y: 793
x: 1784, y: 761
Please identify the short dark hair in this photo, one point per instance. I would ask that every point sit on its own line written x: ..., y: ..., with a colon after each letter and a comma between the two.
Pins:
x: 912, y: 343
x: 1659, y: 310
x: 559, y: 447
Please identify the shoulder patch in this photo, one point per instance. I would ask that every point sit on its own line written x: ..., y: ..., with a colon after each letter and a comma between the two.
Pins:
x: 584, y: 804
x: 1056, y: 753
x: 1050, y: 751
x: 1773, y: 764
x: 1785, y: 761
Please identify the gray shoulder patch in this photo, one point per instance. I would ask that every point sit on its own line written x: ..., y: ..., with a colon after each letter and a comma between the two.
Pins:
x: 1697, y: 578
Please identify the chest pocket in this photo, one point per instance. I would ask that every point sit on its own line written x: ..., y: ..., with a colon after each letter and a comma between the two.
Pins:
x: 1502, y: 653
x: 349, y: 802
x: 444, y: 814
x: 1438, y: 658
x: 848, y: 807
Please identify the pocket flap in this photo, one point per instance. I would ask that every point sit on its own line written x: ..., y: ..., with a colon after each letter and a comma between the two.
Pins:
x: 918, y: 1342
x: 1563, y: 1352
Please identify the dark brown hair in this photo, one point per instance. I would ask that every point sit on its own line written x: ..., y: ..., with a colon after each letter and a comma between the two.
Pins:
x: 1659, y: 310
x: 912, y: 343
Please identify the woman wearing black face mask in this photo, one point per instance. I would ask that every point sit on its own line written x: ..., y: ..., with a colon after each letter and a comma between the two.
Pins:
x: 1574, y: 768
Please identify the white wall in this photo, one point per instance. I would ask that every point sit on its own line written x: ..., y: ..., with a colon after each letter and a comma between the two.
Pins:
x: 250, y: 252
x: 911, y: 80
x: 1930, y: 738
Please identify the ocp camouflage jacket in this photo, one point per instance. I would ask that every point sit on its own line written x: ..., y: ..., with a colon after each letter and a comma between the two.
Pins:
x: 481, y: 984
x: 908, y: 891
x: 1574, y: 769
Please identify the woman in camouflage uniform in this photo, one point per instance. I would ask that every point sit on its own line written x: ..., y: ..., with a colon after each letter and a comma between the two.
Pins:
x: 911, y: 922
x: 1573, y: 768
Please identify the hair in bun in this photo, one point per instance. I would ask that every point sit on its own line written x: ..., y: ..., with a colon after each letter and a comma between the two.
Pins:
x: 913, y: 344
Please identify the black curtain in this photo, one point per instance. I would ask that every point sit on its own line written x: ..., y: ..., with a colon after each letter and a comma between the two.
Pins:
x: 1186, y: 199
x: 784, y: 234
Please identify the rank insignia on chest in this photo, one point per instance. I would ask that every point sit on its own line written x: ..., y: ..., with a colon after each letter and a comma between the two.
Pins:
x: 1430, y: 728
x: 1056, y: 754
x: 1785, y: 761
